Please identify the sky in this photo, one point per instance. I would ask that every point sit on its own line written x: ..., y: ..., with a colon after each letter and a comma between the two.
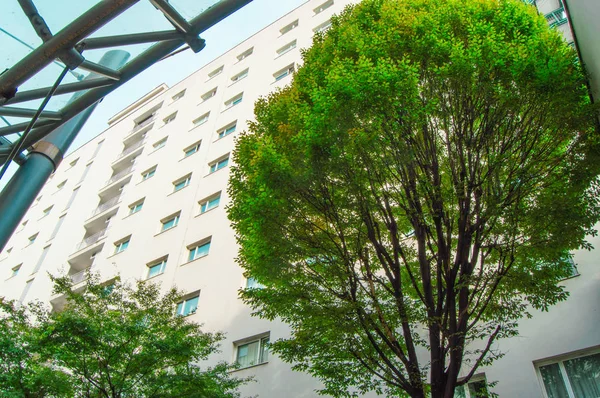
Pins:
x: 139, y: 18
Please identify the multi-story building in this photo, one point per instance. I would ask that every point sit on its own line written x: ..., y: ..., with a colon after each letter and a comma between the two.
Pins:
x: 146, y: 199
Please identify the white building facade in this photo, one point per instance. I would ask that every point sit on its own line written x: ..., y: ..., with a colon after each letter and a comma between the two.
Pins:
x: 146, y: 200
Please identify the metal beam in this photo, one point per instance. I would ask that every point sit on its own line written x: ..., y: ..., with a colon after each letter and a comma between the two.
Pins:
x: 94, y: 43
x: 18, y: 127
x: 100, y: 70
x: 172, y: 15
x: 23, y: 112
x: 66, y: 88
x: 208, y: 18
x: 35, y: 61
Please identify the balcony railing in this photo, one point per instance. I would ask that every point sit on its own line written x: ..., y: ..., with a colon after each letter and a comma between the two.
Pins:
x: 557, y: 17
x: 106, y: 205
x: 90, y: 240
x: 119, y: 175
x: 79, y: 276
x: 143, y: 124
x: 130, y: 149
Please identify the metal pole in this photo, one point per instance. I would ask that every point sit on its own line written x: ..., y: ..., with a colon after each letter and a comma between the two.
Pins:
x: 27, y: 182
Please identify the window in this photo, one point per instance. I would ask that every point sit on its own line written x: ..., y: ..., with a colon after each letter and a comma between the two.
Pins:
x: 183, y: 182
x: 574, y: 271
x: 188, y: 306
x: 210, y: 203
x: 40, y: 262
x: 280, y: 74
x: 245, y: 54
x: 72, y: 198
x: 74, y: 162
x: 323, y: 7
x: 324, y: 27
x: 189, y: 151
x: 32, y: 239
x: 85, y: 172
x: 61, y: 185
x: 230, y: 128
x: 23, y: 224
x: 136, y: 206
x: 148, y: 173
x: 234, y: 101
x: 252, y: 283
x: 289, y: 27
x: 178, y: 96
x: 215, y: 72
x: 253, y: 352
x: 47, y: 211
x: 170, y: 118
x: 219, y: 164
x: 240, y: 76
x: 37, y: 200
x: 159, y: 144
x: 288, y: 47
x: 208, y: 95
x: 61, y: 219
x: 25, y: 290
x: 169, y: 222
x: 574, y: 377
x: 475, y: 388
x: 98, y: 146
x: 198, y: 250
x: 156, y: 267
x: 15, y: 270
x: 121, y: 245
x: 201, y: 120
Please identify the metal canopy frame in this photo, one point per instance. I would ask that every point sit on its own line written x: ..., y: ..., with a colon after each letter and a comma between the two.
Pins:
x: 69, y: 46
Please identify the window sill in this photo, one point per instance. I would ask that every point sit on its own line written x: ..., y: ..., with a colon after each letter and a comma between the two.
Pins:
x: 250, y: 367
x: 238, y: 80
x: 287, y: 52
x: 198, y: 125
x: 154, y: 277
x: 115, y: 254
x: 179, y: 190
x: 570, y: 277
x: 166, y: 230
x: 187, y: 157
x: 144, y: 180
x: 209, y: 210
x: 214, y: 172
x: 225, y: 136
x: 228, y: 108
x: 156, y: 149
x: 196, y: 259
x: 131, y: 214
x: 206, y: 100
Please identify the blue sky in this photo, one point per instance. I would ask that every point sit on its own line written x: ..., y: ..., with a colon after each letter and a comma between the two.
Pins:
x: 142, y: 17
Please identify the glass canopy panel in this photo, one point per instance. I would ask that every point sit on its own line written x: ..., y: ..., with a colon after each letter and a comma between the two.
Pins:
x: 191, y: 8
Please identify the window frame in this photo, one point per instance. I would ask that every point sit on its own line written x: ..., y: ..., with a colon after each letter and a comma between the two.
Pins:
x: 160, y: 262
x: 285, y: 72
x: 245, y: 54
x: 186, y: 299
x: 287, y: 48
x: 14, y: 271
x: 195, y: 147
x: 262, y: 339
x: 233, y: 101
x: 209, y: 94
x: 289, y: 27
x: 205, y: 203
x: 121, y: 245
x: 149, y: 173
x: 214, y: 166
x: 133, y: 207
x: 185, y: 180
x: 200, y: 120
x: 174, y: 218
x: 239, y: 76
x: 216, y: 72
x: 224, y: 131
x: 559, y: 360
x: 322, y: 7
x: 193, y: 249
x: 160, y: 143
x: 178, y: 96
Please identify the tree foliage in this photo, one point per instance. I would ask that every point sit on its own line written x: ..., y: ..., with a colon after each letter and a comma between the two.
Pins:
x: 416, y: 191
x: 116, y: 341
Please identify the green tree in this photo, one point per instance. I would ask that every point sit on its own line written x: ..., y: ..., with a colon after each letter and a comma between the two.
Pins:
x: 416, y: 191
x: 121, y: 341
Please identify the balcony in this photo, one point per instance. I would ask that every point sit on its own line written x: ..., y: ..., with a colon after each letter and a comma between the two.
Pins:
x: 106, y: 205
x: 129, y: 150
x: 557, y: 17
x: 90, y: 240
x: 79, y: 277
x: 119, y: 175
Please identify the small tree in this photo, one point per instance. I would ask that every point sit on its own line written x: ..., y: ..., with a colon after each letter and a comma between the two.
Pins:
x: 123, y: 341
x: 419, y: 184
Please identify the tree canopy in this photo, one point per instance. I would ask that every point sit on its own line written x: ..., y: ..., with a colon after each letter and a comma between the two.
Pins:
x: 112, y: 341
x: 415, y: 191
